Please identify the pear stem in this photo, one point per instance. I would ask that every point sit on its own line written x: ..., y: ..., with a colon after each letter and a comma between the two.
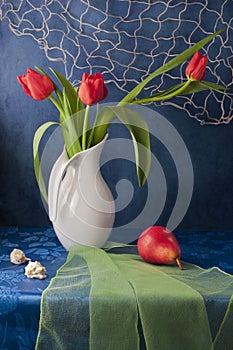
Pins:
x: 179, y: 264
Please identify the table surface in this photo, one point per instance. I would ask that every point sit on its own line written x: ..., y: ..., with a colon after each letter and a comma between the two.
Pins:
x: 20, y: 297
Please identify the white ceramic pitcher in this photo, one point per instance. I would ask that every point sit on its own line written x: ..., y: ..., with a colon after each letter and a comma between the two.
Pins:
x: 81, y: 206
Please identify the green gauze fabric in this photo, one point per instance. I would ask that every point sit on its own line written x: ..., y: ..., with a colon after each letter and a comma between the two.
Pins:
x: 64, y: 316
x: 172, y: 308
x: 120, y: 291
x: 112, y: 305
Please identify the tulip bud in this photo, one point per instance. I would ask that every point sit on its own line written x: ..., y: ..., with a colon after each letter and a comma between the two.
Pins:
x: 35, y: 85
x: 92, y: 89
x: 195, y: 70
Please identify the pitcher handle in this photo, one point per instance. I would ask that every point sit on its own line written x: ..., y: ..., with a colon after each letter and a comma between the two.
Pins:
x: 55, y: 180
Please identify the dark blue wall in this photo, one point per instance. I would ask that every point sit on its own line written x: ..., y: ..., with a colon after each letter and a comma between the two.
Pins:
x: 210, y: 147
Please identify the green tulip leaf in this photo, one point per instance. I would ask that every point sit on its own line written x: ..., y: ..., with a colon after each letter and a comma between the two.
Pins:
x: 70, y: 136
x: 103, y: 119
x: 70, y: 90
x: 177, y: 90
x: 197, y: 86
x: 213, y: 86
x: 169, y: 65
x: 37, y: 168
x: 161, y: 95
x: 66, y: 104
x: 138, y: 129
x: 80, y: 105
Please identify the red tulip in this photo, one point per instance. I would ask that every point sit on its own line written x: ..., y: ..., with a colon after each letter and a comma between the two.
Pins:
x: 196, y: 67
x: 92, y: 89
x: 35, y: 85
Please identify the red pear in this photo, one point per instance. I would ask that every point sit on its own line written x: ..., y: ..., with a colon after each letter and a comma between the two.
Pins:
x: 158, y: 245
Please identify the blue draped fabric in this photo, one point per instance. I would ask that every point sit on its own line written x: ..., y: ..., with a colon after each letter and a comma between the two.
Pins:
x: 20, y: 297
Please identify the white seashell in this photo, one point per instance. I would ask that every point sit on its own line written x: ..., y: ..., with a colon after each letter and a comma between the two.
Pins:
x: 34, y: 269
x: 18, y: 257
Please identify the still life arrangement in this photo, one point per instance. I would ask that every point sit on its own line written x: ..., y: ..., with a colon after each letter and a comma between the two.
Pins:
x: 113, y: 298
x: 82, y: 223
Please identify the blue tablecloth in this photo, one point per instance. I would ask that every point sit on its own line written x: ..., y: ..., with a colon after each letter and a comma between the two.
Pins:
x: 20, y: 297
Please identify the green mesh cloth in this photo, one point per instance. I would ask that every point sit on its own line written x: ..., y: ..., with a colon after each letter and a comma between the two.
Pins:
x: 112, y: 301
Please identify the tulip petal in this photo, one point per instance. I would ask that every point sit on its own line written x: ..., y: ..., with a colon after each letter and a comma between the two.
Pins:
x: 85, y: 94
x: 23, y: 82
x: 35, y: 85
x: 98, y: 88
x: 199, y: 72
x: 193, y: 63
x: 92, y: 89
x: 196, y: 67
x: 85, y: 77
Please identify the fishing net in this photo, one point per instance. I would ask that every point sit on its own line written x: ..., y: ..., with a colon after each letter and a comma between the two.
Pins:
x: 126, y: 40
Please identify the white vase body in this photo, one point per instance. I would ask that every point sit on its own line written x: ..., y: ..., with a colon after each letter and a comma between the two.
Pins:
x: 81, y: 206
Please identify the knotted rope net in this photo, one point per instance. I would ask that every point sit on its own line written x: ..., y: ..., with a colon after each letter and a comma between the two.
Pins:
x: 128, y: 39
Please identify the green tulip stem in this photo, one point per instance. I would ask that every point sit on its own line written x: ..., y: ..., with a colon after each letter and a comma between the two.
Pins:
x: 162, y: 97
x: 62, y: 116
x: 93, y: 128
x: 177, y: 92
x: 85, y: 127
